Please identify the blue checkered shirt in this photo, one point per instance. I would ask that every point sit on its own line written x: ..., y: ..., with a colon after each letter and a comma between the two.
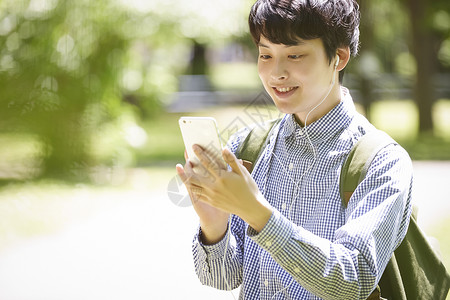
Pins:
x: 313, y: 247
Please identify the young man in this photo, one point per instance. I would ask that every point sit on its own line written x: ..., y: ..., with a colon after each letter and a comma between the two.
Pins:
x: 283, y: 227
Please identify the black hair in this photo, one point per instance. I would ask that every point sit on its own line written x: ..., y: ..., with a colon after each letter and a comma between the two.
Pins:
x: 335, y: 22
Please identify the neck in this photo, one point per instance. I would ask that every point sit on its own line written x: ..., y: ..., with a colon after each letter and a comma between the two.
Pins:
x: 330, y: 100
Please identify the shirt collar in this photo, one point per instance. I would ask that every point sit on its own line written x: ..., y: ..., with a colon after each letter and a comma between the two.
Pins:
x: 324, y: 128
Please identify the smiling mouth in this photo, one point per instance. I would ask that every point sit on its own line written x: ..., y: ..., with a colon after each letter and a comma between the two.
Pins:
x: 284, y: 90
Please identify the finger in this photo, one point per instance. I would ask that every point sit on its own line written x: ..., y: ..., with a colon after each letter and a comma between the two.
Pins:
x: 232, y: 160
x: 210, y: 164
x: 181, y: 173
x: 192, y: 185
x: 197, y: 170
x: 187, y: 175
x: 196, y: 191
x: 186, y: 158
x: 192, y: 177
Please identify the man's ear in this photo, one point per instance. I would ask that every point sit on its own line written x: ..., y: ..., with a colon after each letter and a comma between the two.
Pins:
x: 344, y: 57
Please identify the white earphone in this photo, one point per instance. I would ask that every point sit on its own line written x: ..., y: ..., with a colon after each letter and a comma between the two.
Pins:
x: 337, y: 62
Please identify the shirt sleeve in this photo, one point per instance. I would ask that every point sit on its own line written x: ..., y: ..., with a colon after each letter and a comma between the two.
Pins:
x: 212, y: 260
x: 350, y: 266
x: 220, y: 265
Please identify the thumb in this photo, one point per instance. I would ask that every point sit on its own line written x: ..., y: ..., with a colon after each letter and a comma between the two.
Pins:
x: 232, y: 160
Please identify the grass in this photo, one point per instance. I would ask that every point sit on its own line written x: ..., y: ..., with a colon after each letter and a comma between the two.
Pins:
x: 400, y: 120
x: 164, y: 140
x: 234, y: 77
x: 441, y: 111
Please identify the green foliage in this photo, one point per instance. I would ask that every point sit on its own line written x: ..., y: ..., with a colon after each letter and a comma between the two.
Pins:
x: 60, y: 68
x: 69, y: 71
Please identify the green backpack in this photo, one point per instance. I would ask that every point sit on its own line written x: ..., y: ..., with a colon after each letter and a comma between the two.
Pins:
x: 414, y: 270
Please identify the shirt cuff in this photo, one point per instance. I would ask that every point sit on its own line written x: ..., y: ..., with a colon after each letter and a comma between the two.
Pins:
x: 214, y: 251
x: 275, y: 234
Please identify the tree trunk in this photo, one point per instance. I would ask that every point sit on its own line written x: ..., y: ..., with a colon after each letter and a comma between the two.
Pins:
x: 426, y: 58
x: 198, y: 64
x: 366, y: 78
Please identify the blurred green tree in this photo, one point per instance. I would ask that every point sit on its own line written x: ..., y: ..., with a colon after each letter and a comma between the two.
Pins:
x: 407, y: 38
x: 74, y: 70
x: 426, y: 36
x: 60, y: 64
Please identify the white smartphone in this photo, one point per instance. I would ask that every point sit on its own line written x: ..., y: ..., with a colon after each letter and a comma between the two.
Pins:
x: 203, y: 132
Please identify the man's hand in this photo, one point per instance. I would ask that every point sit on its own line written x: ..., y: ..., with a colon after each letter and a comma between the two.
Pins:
x: 212, y: 220
x: 232, y: 191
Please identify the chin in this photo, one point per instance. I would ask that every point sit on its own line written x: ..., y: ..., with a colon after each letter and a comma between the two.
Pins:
x: 286, y: 107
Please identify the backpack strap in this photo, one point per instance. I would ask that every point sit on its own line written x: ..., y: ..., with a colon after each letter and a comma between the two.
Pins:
x: 414, y: 270
x: 358, y: 161
x: 257, y: 139
x: 355, y: 169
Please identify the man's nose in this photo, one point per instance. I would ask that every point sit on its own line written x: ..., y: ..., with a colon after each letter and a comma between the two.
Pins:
x: 279, y: 71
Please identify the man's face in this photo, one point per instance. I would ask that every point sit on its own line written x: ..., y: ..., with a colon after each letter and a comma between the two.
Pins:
x: 298, y: 77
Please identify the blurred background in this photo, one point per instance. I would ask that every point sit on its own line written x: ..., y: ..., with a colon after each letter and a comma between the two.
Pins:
x: 90, y: 96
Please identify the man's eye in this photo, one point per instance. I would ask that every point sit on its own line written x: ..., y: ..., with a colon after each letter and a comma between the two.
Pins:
x: 264, y: 57
x: 294, y: 56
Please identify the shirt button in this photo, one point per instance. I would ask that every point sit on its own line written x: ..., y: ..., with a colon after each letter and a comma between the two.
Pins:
x: 268, y: 243
x: 283, y: 206
x: 266, y: 283
x: 297, y: 270
x: 291, y: 166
